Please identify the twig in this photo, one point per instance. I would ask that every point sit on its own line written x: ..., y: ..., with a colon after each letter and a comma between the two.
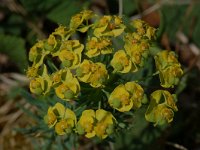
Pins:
x: 177, y: 146
x: 120, y: 7
x: 158, y: 5
x: 147, y: 11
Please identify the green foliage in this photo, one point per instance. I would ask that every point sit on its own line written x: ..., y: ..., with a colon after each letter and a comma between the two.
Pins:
x: 14, y: 47
x: 61, y: 13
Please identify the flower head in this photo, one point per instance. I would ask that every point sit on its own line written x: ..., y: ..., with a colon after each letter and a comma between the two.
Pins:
x: 93, y: 73
x: 86, y: 123
x: 83, y: 72
x: 109, y: 26
x: 144, y: 29
x: 105, y: 123
x: 96, y: 46
x: 137, y: 51
x: 69, y: 87
x: 79, y: 21
x: 121, y: 62
x: 161, y: 108
x: 42, y: 83
x: 98, y: 75
x: 54, y: 113
x: 125, y: 97
x: 32, y: 72
x: 37, y: 54
x: 169, y: 68
x: 120, y: 99
x: 62, y: 118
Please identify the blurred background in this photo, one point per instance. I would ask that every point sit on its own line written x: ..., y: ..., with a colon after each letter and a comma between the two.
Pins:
x: 23, y: 22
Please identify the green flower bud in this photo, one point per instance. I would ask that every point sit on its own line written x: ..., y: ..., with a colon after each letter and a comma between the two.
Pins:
x: 79, y: 72
x: 67, y: 63
x: 69, y: 94
x: 116, y: 103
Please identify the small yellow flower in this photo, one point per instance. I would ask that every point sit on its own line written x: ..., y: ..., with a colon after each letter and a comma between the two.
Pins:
x: 109, y: 26
x: 67, y: 123
x: 83, y: 72
x: 125, y: 97
x: 99, y: 75
x: 137, y: 23
x: 105, y: 123
x: 86, y: 123
x: 170, y: 76
x: 120, y: 99
x: 32, y: 72
x: 70, y: 53
x: 96, y: 46
x: 56, y: 77
x: 80, y: 21
x: 62, y: 118
x: 169, y: 68
x: 53, y: 114
x: 165, y: 58
x: 37, y: 54
x: 63, y: 32
x: 136, y: 92
x: 69, y: 87
x: 144, y: 29
x: 121, y: 62
x: 150, y: 33
x: 161, y: 108
x: 137, y: 51
x: 41, y: 84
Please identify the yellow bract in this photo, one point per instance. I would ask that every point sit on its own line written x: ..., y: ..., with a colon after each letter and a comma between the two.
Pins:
x: 62, y: 118
x: 125, y: 97
x: 121, y: 62
x: 161, y: 108
x: 96, y: 46
x: 169, y: 68
x: 109, y: 26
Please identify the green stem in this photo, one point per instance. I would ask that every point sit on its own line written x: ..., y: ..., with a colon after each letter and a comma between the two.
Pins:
x: 120, y: 7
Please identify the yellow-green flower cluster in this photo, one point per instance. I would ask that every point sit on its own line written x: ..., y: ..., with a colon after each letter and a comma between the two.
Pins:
x: 62, y: 119
x: 125, y: 97
x: 169, y: 68
x: 137, y: 43
x: 93, y: 73
x: 62, y: 64
x: 161, y: 108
